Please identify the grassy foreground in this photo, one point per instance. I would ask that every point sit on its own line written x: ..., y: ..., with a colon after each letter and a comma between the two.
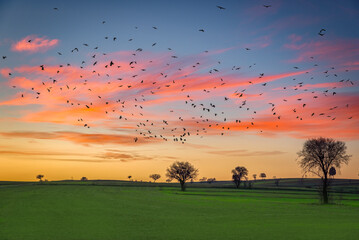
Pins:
x: 75, y: 212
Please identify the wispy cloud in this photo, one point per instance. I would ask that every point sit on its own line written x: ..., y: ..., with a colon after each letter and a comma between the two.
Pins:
x: 85, y: 139
x: 123, y: 156
x: 160, y: 96
x: 37, y: 153
x: 245, y: 153
x: 33, y: 44
x: 333, y: 51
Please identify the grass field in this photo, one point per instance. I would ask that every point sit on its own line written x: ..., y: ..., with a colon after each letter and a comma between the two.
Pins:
x: 87, y: 211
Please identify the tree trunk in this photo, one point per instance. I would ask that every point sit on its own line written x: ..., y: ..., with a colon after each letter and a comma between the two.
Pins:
x: 325, y: 190
x: 238, y: 183
x: 183, y: 188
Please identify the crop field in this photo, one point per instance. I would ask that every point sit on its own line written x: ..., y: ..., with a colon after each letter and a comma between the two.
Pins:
x: 76, y: 212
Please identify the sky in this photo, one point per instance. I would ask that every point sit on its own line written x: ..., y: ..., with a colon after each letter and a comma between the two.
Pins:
x: 108, y: 89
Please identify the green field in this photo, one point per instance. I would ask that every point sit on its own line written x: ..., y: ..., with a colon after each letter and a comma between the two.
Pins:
x: 88, y: 211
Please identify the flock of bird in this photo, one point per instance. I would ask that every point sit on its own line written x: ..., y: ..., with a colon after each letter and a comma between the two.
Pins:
x: 128, y: 105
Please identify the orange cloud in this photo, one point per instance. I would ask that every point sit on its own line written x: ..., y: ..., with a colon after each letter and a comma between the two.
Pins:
x: 245, y: 153
x: 329, y: 116
x: 149, y: 97
x: 5, y: 72
x: 81, y: 138
x: 33, y: 44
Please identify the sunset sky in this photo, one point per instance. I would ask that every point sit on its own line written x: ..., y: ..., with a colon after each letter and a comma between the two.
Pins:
x: 107, y: 89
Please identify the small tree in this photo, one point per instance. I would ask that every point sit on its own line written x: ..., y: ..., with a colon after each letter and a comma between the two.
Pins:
x: 332, y: 172
x: 182, y: 172
x: 84, y: 179
x: 40, y: 176
x: 237, y: 174
x: 254, y: 176
x: 263, y: 176
x: 276, y: 181
x: 129, y: 178
x: 168, y: 180
x: 319, y: 155
x: 211, y: 180
x: 204, y: 179
x: 155, y: 176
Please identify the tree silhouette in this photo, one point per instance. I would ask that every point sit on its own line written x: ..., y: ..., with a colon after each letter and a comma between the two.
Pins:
x: 211, y: 180
x: 84, y: 179
x: 155, y: 176
x: 204, y: 179
x: 319, y: 155
x: 182, y: 172
x: 332, y: 172
x: 129, y: 177
x: 254, y: 176
x: 263, y: 176
x: 276, y: 182
x: 237, y: 174
x: 40, y: 176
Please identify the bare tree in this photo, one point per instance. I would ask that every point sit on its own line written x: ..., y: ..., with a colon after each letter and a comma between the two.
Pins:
x: 211, y: 180
x: 263, y: 176
x: 204, y: 179
x: 254, y: 176
x: 319, y: 155
x: 237, y: 174
x: 155, y: 176
x: 40, y: 176
x: 182, y: 171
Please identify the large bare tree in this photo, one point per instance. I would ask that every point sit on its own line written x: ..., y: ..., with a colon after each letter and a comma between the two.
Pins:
x: 182, y: 172
x: 237, y: 174
x: 319, y: 155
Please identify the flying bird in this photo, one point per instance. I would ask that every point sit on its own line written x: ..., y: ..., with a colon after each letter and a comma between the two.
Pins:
x: 322, y: 32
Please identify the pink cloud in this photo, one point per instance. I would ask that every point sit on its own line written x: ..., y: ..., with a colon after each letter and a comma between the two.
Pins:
x: 296, y: 121
x: 144, y: 96
x: 260, y: 42
x: 5, y: 72
x: 295, y: 38
x: 340, y: 50
x: 33, y: 44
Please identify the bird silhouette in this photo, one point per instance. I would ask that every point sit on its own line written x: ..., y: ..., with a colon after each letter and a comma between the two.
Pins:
x: 322, y: 32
